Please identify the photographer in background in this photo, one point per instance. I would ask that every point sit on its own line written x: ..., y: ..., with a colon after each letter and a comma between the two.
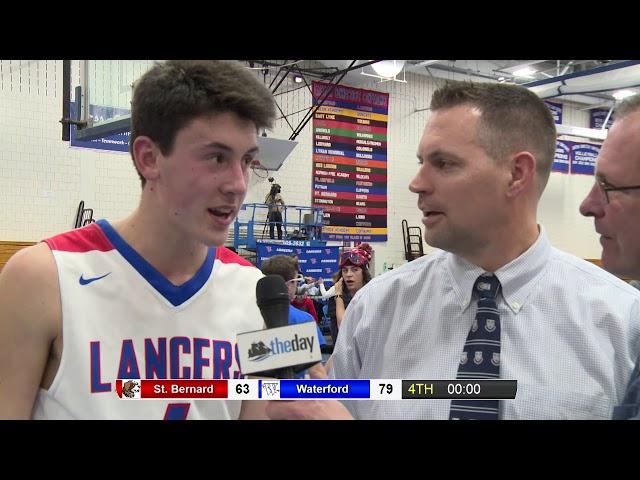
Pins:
x: 276, y: 203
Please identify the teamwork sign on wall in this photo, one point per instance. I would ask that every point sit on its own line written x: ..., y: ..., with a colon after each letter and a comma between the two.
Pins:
x: 350, y: 162
x: 115, y: 143
x: 314, y: 261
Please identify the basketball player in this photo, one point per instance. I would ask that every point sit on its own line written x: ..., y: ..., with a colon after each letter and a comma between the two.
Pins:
x: 154, y: 295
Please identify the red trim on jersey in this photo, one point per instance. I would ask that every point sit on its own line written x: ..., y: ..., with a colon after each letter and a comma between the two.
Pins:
x: 227, y: 256
x: 80, y: 240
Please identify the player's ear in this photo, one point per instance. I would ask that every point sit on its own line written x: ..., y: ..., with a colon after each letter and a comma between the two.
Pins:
x: 145, y: 157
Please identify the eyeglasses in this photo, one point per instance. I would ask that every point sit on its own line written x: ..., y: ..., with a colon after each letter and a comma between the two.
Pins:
x: 352, y: 257
x: 295, y: 280
x: 606, y: 188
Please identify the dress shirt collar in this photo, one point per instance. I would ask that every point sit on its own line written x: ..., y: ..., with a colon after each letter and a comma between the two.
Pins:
x: 517, y: 277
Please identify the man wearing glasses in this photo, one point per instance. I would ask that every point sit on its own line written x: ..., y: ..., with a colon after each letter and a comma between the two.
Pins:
x: 614, y: 202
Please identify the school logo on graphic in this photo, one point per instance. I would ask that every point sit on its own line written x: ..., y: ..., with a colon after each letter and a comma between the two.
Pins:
x: 131, y: 389
x: 270, y: 389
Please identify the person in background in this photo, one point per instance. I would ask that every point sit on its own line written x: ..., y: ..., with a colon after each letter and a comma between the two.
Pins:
x: 275, y: 202
x: 353, y: 275
x: 287, y: 268
x: 302, y: 302
x: 310, y: 287
x: 312, y: 290
x: 614, y: 203
x: 324, y: 293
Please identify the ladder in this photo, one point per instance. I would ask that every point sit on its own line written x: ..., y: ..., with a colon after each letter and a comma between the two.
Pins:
x: 412, y: 239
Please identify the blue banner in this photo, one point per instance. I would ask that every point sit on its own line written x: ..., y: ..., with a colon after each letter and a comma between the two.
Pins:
x: 325, y: 389
x: 556, y: 111
x: 562, y: 158
x: 115, y: 143
x: 314, y: 261
x: 597, y: 118
x: 583, y: 158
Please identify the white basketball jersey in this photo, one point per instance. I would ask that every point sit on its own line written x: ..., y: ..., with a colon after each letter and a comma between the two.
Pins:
x: 122, y: 319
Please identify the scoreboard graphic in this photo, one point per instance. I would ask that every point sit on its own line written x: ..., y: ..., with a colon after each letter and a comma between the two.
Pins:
x: 274, y: 389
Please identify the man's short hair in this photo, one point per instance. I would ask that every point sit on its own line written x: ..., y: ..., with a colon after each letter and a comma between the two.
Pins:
x: 627, y: 106
x: 173, y: 93
x: 283, y: 265
x: 512, y: 119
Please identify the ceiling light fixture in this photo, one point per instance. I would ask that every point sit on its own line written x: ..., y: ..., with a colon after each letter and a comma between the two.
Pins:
x: 388, y: 68
x: 525, y: 72
x: 622, y: 94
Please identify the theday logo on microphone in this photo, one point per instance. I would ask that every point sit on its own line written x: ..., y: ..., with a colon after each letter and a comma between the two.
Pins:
x: 259, y: 351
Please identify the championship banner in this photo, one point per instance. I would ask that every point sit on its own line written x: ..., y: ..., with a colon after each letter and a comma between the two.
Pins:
x: 350, y: 162
x: 583, y: 157
x: 314, y: 261
x: 562, y: 157
x: 597, y: 117
x: 556, y: 111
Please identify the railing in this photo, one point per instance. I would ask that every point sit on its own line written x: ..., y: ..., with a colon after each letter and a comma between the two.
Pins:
x: 298, y: 223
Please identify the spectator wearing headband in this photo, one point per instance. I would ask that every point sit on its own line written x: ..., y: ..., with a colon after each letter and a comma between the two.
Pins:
x: 353, y: 275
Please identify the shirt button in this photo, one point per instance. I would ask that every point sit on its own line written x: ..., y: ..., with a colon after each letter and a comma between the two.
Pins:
x: 516, y: 306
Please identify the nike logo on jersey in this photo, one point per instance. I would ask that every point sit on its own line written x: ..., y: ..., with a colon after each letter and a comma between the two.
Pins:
x: 87, y: 281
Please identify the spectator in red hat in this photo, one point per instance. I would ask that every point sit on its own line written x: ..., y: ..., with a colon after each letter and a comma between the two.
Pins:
x: 353, y: 275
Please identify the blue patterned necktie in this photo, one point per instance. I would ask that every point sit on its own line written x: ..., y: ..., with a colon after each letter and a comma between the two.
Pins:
x: 480, y: 357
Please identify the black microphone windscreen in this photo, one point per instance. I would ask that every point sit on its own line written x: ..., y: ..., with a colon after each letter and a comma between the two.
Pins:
x: 272, y: 296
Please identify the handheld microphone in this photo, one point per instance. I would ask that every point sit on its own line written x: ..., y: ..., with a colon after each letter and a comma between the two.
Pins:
x: 272, y: 297
x: 275, y: 351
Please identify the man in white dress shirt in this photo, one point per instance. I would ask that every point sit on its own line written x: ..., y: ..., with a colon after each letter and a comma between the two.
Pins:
x: 614, y: 202
x: 569, y: 330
